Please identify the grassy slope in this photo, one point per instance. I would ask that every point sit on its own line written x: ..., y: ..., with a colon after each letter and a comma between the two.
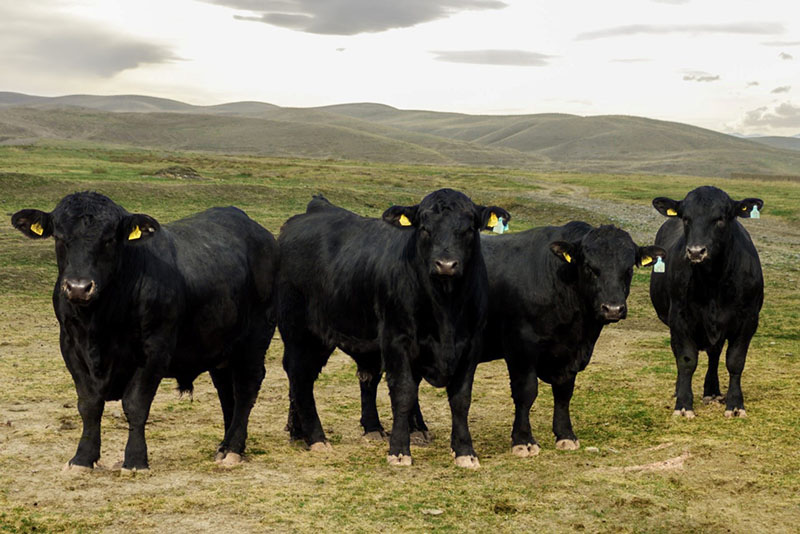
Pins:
x: 367, y: 132
x: 739, y: 475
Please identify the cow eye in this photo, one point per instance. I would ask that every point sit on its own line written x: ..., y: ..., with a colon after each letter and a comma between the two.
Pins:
x: 424, y: 233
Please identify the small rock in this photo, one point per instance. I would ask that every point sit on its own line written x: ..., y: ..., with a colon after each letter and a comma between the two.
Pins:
x: 592, y: 449
x: 432, y: 511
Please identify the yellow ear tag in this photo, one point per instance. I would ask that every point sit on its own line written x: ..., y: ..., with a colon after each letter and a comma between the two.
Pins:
x: 646, y: 260
x: 567, y: 257
x: 135, y: 233
x: 37, y: 229
x: 492, y: 221
x: 671, y: 212
x: 404, y: 221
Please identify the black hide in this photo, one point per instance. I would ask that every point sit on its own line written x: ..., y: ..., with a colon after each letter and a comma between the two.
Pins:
x: 407, y: 299
x: 712, y: 290
x: 138, y: 302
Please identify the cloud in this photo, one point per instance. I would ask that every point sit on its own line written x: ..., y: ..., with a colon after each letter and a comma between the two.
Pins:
x: 781, y: 43
x: 784, y: 55
x: 350, y: 17
x: 699, y: 76
x: 745, y: 28
x: 675, y: 2
x: 785, y: 115
x: 752, y: 84
x: 631, y: 60
x: 39, y: 41
x: 781, y: 89
x: 518, y: 58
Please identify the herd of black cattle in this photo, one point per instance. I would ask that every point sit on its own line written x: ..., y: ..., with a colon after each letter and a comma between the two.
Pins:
x: 416, y: 294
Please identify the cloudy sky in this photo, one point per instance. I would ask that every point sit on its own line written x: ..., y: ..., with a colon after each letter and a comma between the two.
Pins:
x: 729, y: 65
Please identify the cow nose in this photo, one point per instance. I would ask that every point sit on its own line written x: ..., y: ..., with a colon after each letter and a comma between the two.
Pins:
x: 446, y: 267
x: 696, y: 254
x: 79, y: 289
x: 614, y: 312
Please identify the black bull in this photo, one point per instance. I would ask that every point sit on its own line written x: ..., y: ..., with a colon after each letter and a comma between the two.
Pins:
x: 408, y: 293
x: 712, y: 290
x: 551, y: 291
x: 138, y: 302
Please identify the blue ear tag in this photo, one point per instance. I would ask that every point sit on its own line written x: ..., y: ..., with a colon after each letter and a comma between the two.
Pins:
x: 500, y: 227
x: 659, y: 266
x: 754, y: 213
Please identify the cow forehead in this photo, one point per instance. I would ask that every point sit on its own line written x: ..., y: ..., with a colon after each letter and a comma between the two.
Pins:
x: 446, y: 201
x: 706, y: 200
x: 608, y: 245
x: 86, y: 214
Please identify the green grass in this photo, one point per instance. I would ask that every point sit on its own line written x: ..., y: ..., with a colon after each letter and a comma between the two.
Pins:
x: 738, y: 475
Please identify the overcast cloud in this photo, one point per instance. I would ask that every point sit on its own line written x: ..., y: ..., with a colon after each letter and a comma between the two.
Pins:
x: 700, y: 76
x: 350, y: 17
x: 751, y: 28
x: 781, y: 43
x: 518, y: 58
x: 784, y: 55
x: 781, y: 89
x: 784, y: 115
x: 41, y: 41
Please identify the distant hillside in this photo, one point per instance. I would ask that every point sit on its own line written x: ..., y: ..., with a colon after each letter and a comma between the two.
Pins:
x: 787, y: 143
x: 376, y: 132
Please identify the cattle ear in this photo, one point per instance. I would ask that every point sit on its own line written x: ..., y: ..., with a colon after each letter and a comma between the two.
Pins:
x: 489, y: 217
x: 35, y: 224
x: 749, y: 208
x: 138, y: 228
x: 401, y: 215
x: 666, y: 206
x: 649, y: 255
x: 565, y: 251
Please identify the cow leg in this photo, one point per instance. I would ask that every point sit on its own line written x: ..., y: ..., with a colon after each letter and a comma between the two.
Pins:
x: 403, y: 394
x: 418, y: 430
x: 90, y: 407
x: 369, y: 376
x: 459, y: 393
x: 223, y: 382
x: 524, y: 389
x: 562, y: 424
x: 685, y: 353
x: 303, y: 362
x: 734, y: 361
x: 711, y: 392
x: 136, y: 402
x: 246, y: 381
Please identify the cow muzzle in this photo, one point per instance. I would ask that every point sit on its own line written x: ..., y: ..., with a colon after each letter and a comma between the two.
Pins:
x: 613, y: 312
x: 446, y: 267
x: 696, y: 254
x: 79, y: 290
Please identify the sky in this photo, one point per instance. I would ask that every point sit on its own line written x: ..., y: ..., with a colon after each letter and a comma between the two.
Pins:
x: 727, y: 65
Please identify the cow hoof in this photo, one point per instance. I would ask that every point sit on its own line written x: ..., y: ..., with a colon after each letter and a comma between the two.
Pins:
x: 683, y: 412
x: 321, y: 446
x: 132, y: 472
x: 525, y: 451
x: 399, y: 459
x: 230, y: 459
x: 72, y: 468
x: 420, y: 438
x: 375, y: 435
x: 713, y: 399
x: 568, y: 444
x: 468, y: 462
x: 736, y: 412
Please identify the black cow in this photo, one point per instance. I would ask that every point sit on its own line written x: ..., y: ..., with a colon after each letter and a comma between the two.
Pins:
x: 409, y: 295
x: 551, y: 291
x: 711, y: 291
x: 138, y: 302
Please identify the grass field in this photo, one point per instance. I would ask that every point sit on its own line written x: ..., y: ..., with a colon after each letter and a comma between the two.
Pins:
x: 639, y: 469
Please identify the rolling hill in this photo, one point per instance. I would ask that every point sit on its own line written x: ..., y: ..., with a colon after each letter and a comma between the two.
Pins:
x: 376, y: 132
